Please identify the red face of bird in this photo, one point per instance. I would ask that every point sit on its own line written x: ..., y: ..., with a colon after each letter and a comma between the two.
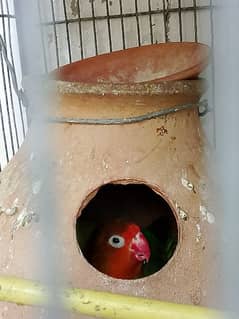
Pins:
x: 119, y: 249
x: 134, y: 240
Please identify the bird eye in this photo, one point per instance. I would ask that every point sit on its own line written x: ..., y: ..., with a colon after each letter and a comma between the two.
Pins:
x: 116, y: 241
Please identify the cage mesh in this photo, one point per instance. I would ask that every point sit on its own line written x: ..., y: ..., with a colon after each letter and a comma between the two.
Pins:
x: 12, y: 115
x: 78, y: 29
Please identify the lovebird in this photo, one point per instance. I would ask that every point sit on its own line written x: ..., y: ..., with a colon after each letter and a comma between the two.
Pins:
x: 118, y: 249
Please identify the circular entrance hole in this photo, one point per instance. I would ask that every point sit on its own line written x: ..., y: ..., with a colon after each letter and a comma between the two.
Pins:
x: 127, y: 231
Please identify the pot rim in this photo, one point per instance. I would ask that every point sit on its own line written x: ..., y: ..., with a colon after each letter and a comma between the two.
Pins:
x: 166, y: 61
x: 186, y: 87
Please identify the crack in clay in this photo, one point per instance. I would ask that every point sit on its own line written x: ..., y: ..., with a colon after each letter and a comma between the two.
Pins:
x: 147, y: 154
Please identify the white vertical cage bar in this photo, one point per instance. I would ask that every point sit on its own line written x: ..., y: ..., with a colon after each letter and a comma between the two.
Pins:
x: 40, y: 169
x: 226, y: 47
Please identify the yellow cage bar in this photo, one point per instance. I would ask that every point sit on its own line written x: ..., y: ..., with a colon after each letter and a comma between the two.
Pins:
x: 101, y: 304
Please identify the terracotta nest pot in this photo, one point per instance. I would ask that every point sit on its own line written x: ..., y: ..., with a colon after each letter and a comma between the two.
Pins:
x: 165, y: 154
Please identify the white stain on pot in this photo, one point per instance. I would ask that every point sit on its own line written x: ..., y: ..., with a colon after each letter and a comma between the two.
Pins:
x: 69, y: 155
x: 199, y: 233
x: 11, y: 210
x: 183, y: 215
x: 181, y: 212
x: 206, y: 215
x: 24, y: 219
x: 105, y: 164
x: 187, y: 184
x: 210, y: 218
x: 15, y: 203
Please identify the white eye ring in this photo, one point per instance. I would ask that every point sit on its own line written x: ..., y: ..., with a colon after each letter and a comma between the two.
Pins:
x: 116, y: 241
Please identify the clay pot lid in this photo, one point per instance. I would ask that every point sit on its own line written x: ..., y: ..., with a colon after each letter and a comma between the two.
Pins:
x: 145, y: 64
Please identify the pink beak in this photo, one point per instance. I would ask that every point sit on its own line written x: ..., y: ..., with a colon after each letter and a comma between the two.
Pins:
x: 140, y: 247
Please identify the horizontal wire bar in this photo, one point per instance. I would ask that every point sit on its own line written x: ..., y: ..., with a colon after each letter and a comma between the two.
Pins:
x: 5, y: 15
x: 126, y: 15
x: 134, y: 119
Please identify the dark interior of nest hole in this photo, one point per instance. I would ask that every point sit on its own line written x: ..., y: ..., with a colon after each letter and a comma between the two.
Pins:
x: 136, y: 203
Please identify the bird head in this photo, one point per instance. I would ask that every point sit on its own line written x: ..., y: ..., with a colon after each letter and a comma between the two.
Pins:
x: 119, y: 249
x: 131, y: 239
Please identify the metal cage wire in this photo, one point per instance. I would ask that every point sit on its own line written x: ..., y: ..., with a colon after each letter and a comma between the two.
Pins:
x: 12, y: 115
x: 71, y: 30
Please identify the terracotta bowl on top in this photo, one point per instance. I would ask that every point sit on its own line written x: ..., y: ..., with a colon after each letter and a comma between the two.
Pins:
x: 149, y: 63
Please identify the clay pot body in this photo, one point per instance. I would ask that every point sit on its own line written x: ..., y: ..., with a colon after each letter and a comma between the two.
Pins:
x: 161, y: 153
